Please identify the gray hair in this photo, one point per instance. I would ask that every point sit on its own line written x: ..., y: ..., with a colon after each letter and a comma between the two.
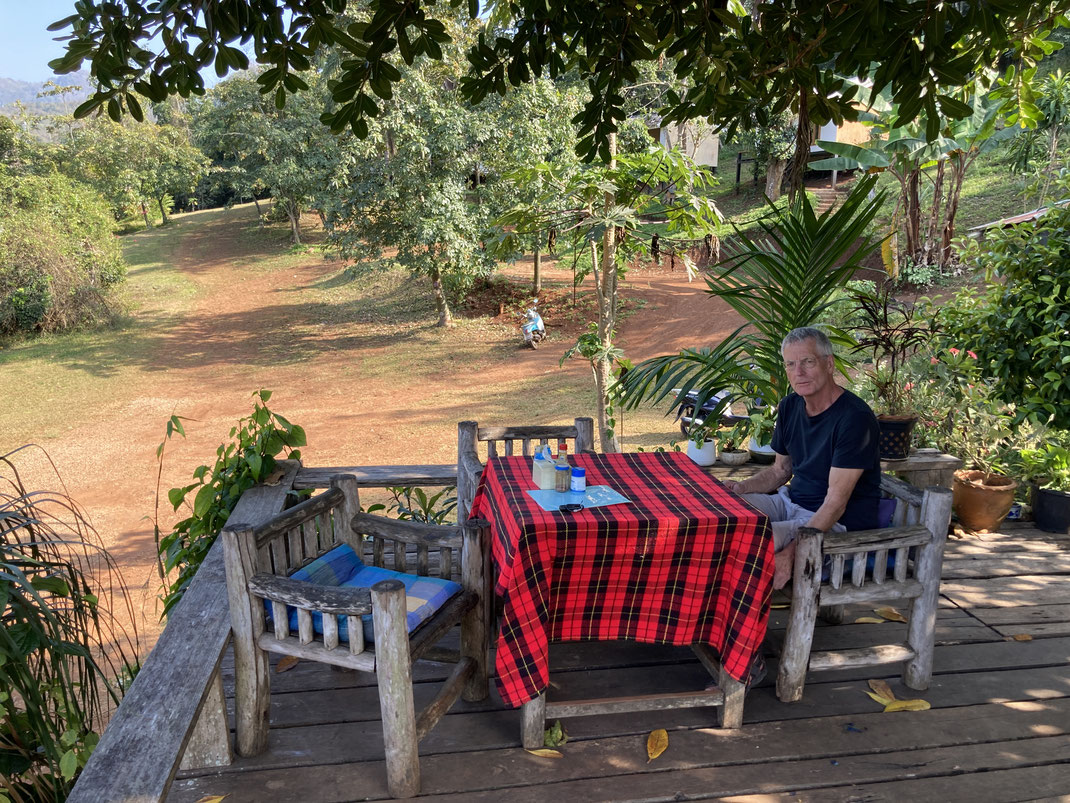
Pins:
x: 821, y: 340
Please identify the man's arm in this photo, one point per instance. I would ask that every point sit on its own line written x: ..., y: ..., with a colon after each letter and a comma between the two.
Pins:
x: 768, y: 479
x: 842, y: 482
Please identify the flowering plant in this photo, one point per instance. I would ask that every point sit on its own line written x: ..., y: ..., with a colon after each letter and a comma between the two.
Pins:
x: 960, y: 413
x: 887, y: 329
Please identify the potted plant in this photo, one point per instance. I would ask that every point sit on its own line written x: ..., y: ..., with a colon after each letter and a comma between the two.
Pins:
x: 963, y: 417
x: 762, y: 420
x: 701, y: 445
x: 887, y: 330
x: 1048, y: 468
x: 731, y: 442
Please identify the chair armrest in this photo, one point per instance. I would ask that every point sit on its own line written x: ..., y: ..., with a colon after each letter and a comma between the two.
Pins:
x: 408, y: 532
x: 868, y: 540
x: 901, y: 489
x: 302, y: 594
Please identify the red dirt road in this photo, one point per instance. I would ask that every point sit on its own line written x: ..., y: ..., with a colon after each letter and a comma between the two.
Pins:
x: 242, y: 333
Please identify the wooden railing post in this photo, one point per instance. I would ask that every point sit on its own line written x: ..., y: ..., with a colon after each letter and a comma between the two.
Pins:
x: 347, y: 484
x: 467, y: 473
x: 252, y: 689
x: 393, y: 670
x: 806, y: 586
x: 928, y: 566
x: 584, y: 435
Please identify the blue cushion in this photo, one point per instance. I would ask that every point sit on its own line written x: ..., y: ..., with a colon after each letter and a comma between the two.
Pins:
x: 342, y: 567
x: 885, y: 511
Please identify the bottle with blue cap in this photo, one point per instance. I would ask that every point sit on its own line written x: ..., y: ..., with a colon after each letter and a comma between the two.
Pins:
x: 579, y: 480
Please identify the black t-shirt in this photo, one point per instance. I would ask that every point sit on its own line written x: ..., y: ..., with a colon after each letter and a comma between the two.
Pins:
x: 843, y: 436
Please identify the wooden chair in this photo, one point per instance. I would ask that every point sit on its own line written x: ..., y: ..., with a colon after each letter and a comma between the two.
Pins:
x: 503, y: 441
x: 323, y: 621
x: 916, y: 540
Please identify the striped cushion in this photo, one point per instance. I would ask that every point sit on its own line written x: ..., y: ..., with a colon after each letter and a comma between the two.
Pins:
x: 342, y: 567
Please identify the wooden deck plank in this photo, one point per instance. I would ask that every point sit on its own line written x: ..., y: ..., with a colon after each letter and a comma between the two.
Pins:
x: 1008, y: 592
x: 738, y: 757
x: 345, y: 741
x: 1029, y: 563
x: 1029, y: 614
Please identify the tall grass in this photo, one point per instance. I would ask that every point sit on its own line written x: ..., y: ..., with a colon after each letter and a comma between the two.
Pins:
x: 65, y: 656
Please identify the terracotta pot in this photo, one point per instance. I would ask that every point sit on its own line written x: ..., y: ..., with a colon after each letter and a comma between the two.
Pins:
x: 982, y: 501
x: 735, y: 458
x: 895, y: 436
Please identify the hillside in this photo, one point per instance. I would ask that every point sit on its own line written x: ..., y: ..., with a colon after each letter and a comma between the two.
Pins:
x: 26, y: 92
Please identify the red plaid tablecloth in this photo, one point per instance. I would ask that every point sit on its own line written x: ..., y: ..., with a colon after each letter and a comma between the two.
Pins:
x: 685, y: 562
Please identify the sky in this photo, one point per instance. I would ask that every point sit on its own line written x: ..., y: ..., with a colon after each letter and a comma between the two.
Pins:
x: 26, y: 46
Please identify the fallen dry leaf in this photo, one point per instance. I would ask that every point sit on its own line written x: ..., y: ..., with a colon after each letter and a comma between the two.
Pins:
x: 869, y: 620
x: 656, y: 744
x: 891, y: 614
x: 882, y: 688
x: 907, y: 705
x: 274, y: 477
x: 1022, y: 637
x: 285, y: 663
x: 878, y: 698
x: 546, y: 752
x: 211, y: 799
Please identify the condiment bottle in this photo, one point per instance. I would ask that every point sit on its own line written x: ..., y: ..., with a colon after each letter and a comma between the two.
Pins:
x: 579, y: 480
x: 562, y: 453
x: 562, y: 478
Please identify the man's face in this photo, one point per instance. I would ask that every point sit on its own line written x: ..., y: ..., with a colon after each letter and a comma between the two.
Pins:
x: 808, y: 372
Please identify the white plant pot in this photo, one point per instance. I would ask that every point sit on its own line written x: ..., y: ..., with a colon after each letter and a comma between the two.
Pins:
x: 761, y: 454
x: 737, y: 458
x: 704, y: 455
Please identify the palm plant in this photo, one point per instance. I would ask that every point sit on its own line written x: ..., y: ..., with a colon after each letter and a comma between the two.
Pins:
x: 777, y: 283
x: 64, y: 657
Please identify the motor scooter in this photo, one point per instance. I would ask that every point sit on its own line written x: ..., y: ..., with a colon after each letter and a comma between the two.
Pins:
x: 687, y: 413
x: 532, y: 326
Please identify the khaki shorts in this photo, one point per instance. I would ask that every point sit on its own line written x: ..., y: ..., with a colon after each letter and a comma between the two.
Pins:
x: 785, y: 516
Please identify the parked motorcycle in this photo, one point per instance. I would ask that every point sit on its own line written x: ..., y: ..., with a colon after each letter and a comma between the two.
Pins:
x: 687, y: 413
x: 532, y: 326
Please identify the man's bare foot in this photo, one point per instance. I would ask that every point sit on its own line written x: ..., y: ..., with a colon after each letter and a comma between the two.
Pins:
x: 784, y: 562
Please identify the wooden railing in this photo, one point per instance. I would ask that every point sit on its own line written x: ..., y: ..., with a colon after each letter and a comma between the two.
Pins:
x: 174, y: 714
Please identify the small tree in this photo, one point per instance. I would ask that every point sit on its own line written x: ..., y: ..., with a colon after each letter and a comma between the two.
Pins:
x: 605, y: 209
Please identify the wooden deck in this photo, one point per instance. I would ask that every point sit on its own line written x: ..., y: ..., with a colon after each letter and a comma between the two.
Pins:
x: 999, y: 728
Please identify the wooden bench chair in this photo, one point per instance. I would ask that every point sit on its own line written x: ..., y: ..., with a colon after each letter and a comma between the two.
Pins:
x: 330, y: 616
x: 857, y: 571
x: 505, y: 441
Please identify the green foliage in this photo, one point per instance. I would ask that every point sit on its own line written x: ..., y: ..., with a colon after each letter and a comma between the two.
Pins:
x: 249, y: 458
x: 959, y: 410
x: 415, y: 504
x: 58, y: 258
x: 1019, y: 324
x: 63, y: 655
x: 890, y: 331
x: 734, y: 438
x: 1048, y: 465
x: 793, y: 60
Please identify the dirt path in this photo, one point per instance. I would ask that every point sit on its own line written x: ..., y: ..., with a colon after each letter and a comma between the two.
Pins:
x: 249, y: 328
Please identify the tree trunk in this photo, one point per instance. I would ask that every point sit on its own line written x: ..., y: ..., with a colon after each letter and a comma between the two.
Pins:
x: 804, y: 138
x: 912, y: 208
x: 145, y: 214
x: 445, y: 318
x: 774, y: 177
x: 163, y: 211
x: 958, y: 173
x: 607, y: 318
x: 259, y: 214
x: 537, y: 283
x: 929, y: 248
x: 293, y: 212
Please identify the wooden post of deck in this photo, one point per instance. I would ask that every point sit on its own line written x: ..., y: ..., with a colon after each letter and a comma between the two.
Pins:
x: 393, y: 671
x: 469, y: 468
x: 806, y: 588
x: 928, y: 566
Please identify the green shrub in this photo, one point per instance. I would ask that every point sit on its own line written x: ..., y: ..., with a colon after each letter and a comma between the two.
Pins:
x: 1020, y: 326
x: 247, y: 460
x: 58, y: 256
x: 65, y: 660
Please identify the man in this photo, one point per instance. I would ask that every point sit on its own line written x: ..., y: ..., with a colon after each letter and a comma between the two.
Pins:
x: 825, y: 441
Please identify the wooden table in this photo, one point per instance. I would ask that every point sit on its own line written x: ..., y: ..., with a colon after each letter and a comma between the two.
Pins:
x: 684, y: 562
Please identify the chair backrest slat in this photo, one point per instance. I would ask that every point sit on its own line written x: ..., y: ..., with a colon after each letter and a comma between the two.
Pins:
x: 900, y: 571
x: 304, y: 626
x: 858, y: 569
x: 330, y: 631
x: 836, y: 572
x: 280, y: 620
x: 880, y: 565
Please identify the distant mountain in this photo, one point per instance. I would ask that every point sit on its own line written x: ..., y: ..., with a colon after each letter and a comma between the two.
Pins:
x: 26, y: 92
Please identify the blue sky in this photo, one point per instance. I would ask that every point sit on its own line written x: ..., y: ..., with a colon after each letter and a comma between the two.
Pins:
x: 25, y: 46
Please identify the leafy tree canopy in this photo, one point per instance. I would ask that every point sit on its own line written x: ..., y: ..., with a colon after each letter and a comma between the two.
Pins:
x: 796, y: 58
